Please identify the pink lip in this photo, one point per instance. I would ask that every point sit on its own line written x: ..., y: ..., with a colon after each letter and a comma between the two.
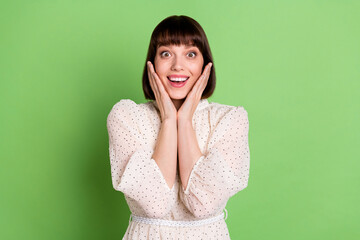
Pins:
x: 177, y: 76
x: 178, y: 84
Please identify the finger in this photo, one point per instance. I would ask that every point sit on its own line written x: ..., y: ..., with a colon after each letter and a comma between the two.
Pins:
x: 162, y: 95
x: 204, y: 80
x: 154, y: 76
x: 152, y: 80
x: 207, y: 73
x: 160, y: 86
x: 197, y: 85
x: 204, y: 76
x: 150, y: 77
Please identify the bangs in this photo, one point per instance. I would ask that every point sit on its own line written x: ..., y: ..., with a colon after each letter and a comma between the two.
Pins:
x: 179, y: 35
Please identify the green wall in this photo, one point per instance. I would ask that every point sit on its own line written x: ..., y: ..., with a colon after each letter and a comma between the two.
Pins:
x: 293, y: 65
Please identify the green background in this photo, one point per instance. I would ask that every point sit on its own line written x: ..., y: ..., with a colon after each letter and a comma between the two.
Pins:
x: 293, y: 65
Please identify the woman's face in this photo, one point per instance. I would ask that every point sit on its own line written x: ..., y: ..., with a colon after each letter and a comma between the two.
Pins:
x: 182, y: 61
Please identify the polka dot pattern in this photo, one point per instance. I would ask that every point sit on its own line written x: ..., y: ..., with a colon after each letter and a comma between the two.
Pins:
x: 221, y: 171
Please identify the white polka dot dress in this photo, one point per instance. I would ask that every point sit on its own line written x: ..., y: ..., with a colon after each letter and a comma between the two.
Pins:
x: 221, y: 171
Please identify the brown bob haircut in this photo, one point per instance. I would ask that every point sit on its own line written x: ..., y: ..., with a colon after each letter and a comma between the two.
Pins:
x: 177, y: 30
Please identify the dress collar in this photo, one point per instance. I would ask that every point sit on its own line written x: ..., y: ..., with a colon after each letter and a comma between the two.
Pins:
x: 203, y: 103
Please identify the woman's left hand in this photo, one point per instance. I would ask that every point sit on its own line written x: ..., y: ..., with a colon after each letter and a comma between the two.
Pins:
x: 187, y: 109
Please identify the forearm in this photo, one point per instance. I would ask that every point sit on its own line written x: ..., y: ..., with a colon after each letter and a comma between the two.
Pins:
x: 165, y: 153
x: 188, y: 150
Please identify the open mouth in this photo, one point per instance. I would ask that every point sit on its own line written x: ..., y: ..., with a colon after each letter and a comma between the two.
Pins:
x: 178, y: 82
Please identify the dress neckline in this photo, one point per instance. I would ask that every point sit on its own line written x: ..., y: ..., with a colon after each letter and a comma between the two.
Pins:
x: 203, y: 103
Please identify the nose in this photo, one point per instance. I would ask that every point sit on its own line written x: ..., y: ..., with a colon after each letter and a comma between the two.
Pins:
x: 177, y: 64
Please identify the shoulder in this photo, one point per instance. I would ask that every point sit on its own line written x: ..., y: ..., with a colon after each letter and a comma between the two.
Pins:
x: 130, y: 106
x: 122, y: 110
x: 129, y: 110
x: 232, y: 114
x: 124, y: 105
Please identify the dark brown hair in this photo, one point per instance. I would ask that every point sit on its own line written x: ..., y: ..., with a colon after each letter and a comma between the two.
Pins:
x: 177, y: 30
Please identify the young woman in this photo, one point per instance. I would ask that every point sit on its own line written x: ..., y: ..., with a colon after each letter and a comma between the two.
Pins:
x: 178, y: 158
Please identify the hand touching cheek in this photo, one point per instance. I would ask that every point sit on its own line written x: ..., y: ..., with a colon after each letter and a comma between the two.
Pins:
x: 186, y: 112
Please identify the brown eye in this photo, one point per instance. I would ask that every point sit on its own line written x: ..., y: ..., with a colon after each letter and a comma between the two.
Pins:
x: 163, y: 53
x: 192, y: 54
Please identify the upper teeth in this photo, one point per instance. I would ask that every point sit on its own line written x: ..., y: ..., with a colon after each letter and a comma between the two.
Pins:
x: 178, y: 79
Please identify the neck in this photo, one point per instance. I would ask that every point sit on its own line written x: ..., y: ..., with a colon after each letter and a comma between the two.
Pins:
x: 178, y: 103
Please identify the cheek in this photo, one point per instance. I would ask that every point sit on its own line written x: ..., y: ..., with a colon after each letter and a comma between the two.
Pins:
x: 158, y: 67
x: 197, y: 71
x: 198, y: 68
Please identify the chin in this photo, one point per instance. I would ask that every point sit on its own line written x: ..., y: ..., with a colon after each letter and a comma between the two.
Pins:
x: 178, y: 96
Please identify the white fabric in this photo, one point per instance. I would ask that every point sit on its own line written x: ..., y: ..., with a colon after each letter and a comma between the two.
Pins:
x: 174, y: 223
x: 221, y: 171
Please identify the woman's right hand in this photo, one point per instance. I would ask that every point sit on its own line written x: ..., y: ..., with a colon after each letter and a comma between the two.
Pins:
x: 164, y: 102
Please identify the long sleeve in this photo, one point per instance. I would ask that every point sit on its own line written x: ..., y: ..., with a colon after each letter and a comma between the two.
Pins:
x: 133, y: 170
x: 223, y: 170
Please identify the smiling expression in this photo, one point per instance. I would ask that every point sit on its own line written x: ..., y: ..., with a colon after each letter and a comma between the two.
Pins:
x: 181, y: 62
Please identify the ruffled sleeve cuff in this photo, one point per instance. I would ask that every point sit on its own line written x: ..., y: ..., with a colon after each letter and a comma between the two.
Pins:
x: 142, y: 176
x: 211, y: 183
x: 192, y: 173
